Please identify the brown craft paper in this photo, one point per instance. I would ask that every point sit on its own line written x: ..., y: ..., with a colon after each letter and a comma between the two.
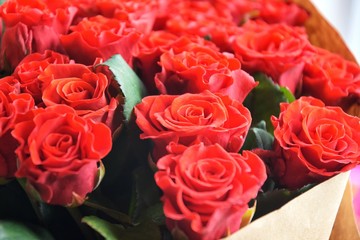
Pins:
x: 345, y: 227
x: 309, y: 216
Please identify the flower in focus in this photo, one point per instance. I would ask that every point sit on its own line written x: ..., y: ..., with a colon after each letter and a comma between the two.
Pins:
x: 207, y: 190
x: 29, y: 69
x: 183, y: 119
x: 89, y: 93
x: 314, y: 142
x: 59, y: 153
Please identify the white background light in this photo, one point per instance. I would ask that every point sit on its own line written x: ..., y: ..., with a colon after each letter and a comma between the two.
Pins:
x: 344, y: 15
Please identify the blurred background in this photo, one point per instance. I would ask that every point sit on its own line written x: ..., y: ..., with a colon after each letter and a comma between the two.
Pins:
x: 344, y: 15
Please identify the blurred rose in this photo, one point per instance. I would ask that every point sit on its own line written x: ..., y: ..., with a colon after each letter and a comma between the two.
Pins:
x: 315, y: 142
x: 331, y: 78
x: 140, y: 14
x: 99, y: 37
x: 202, y: 19
x: 153, y: 45
x: 59, y: 153
x: 277, y: 50
x: 199, y: 68
x: 207, y: 190
x: 185, y: 118
x: 30, y: 26
x: 13, y: 105
x: 275, y: 11
x: 85, y: 8
x: 271, y: 11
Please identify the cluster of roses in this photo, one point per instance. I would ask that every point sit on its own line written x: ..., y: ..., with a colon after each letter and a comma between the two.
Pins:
x: 58, y: 116
x: 198, y: 124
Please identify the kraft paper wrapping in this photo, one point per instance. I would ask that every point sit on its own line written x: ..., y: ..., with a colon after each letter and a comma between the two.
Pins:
x: 309, y: 216
x: 345, y: 227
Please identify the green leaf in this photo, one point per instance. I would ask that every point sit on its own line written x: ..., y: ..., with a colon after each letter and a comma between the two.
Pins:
x: 155, y: 213
x: 128, y: 152
x: 110, y: 231
x: 146, y: 193
x: 263, y: 101
x: 287, y: 94
x: 111, y: 212
x: 12, y: 230
x: 258, y: 138
x: 130, y: 84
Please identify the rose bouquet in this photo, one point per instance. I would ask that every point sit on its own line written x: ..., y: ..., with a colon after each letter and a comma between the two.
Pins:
x: 169, y: 119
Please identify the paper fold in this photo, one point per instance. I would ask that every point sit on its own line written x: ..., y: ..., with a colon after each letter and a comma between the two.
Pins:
x: 309, y: 216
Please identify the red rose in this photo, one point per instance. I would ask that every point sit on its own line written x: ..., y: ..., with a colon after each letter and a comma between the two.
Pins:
x: 315, y: 142
x: 9, y: 84
x: 153, y: 45
x: 182, y: 119
x: 85, y: 8
x: 277, y: 50
x: 202, y: 19
x: 282, y: 12
x: 140, y: 14
x: 200, y: 68
x: 271, y: 11
x: 330, y: 77
x: 27, y: 23
x: 59, y: 153
x: 206, y: 189
x: 32, y: 66
x: 13, y: 106
x: 89, y: 93
x: 99, y: 37
x: 147, y: 54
